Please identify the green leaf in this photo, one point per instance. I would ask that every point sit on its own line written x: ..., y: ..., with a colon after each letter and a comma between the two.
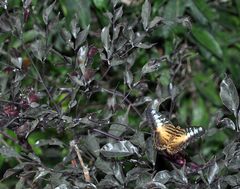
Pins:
x: 174, y: 9
x: 206, y: 40
x: 206, y: 10
x: 197, y: 14
x: 100, y: 4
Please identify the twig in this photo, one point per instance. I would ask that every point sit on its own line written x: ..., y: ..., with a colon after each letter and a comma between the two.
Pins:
x: 85, y: 169
x: 125, y: 99
x: 10, y: 122
x: 107, y: 134
x: 9, y: 137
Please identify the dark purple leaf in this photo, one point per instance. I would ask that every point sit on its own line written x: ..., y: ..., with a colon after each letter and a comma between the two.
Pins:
x: 74, y: 28
x: 38, y: 49
x: 54, y: 22
x: 116, y: 62
x: 108, y: 182
x: 105, y: 37
x: 145, y: 14
x: 229, y: 95
x: 47, y: 11
x: 118, y: 172
x: 233, y: 180
x: 17, y: 62
x: 66, y: 36
x: 104, y: 166
x: 138, y: 139
x: 118, y: 14
x: 143, y: 179
x: 119, y: 149
x: 26, y: 3
x: 150, y: 151
x: 134, y: 173
x: 128, y: 78
x: 151, y: 66
x: 179, y: 176
x: 162, y: 177
x: 117, y: 129
x: 13, y: 170
x: 5, y: 24
x: 81, y: 37
x: 8, y: 152
x: 228, y: 123
x: 92, y: 144
x: 40, y: 173
x: 116, y: 31
x: 155, y: 22
x: 212, y: 173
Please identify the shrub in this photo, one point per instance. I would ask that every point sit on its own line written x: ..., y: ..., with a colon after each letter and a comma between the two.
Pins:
x: 75, y: 86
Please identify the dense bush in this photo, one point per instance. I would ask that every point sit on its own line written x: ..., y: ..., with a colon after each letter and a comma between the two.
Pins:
x: 78, y: 75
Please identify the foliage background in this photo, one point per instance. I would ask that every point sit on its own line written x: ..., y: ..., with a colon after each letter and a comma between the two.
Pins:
x: 84, y: 71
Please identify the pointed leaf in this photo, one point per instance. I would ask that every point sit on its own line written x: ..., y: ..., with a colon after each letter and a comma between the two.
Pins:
x: 152, y: 66
x: 104, y: 166
x: 105, y: 37
x: 92, y: 145
x: 118, y: 14
x: 117, y: 129
x: 207, y: 40
x: 233, y: 180
x: 40, y: 173
x: 155, y: 22
x: 128, y: 77
x: 144, y: 45
x: 150, y: 151
x: 162, y: 177
x: 213, y: 171
x: 119, y: 149
x: 17, y: 62
x: 228, y: 123
x: 145, y: 14
x: 47, y: 12
x: 81, y: 37
x: 229, y: 95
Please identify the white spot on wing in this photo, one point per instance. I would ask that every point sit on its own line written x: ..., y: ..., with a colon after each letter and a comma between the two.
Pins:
x: 153, y: 112
x: 156, y: 117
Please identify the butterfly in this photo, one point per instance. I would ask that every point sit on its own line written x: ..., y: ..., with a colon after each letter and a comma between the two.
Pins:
x: 169, y: 137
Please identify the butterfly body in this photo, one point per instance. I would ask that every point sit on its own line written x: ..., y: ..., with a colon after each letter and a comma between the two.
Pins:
x: 169, y: 137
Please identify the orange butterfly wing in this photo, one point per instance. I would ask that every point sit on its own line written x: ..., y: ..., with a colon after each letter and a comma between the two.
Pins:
x: 169, y: 137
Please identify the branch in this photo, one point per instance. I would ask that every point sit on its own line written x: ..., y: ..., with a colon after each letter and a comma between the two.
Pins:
x: 85, y: 169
